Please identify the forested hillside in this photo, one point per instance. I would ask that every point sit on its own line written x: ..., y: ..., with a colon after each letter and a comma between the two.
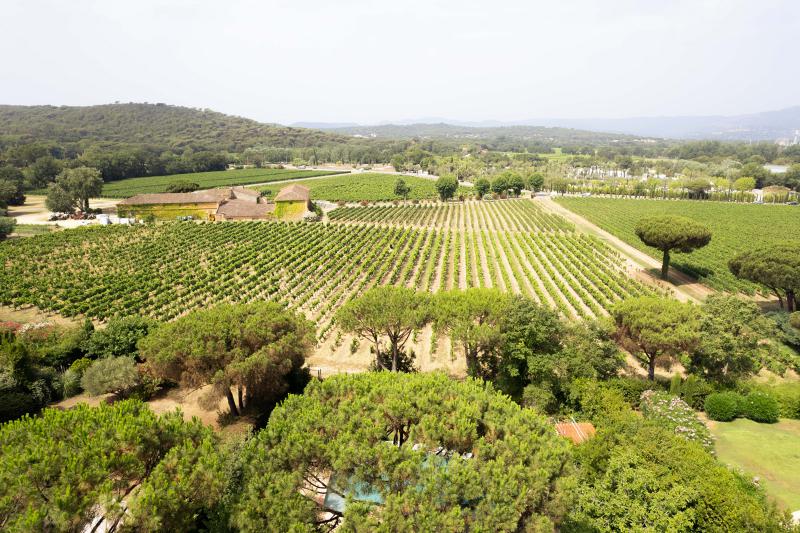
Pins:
x: 150, y: 124
x: 133, y: 140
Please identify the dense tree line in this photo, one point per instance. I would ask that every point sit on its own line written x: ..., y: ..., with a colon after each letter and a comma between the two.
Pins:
x: 132, y: 140
x: 393, y: 448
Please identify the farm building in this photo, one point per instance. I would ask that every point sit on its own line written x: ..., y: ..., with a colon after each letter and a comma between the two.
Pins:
x: 292, y: 202
x: 231, y: 203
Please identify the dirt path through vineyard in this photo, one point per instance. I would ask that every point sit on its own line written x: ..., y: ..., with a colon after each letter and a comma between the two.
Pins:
x: 639, y: 263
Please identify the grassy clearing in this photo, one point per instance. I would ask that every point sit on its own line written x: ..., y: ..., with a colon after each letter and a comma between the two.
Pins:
x: 369, y: 186
x: 207, y: 180
x: 735, y: 227
x: 769, y: 451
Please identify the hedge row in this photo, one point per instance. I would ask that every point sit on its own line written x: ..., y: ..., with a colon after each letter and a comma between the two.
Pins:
x: 757, y: 406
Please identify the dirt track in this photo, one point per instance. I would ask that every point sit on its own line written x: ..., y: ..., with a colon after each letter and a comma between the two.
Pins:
x: 685, y: 287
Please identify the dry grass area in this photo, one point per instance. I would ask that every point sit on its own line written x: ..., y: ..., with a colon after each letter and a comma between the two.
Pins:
x: 187, y: 400
x: 33, y: 314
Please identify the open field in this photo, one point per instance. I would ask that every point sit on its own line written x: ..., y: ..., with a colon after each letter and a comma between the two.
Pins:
x: 368, y: 186
x: 167, y: 270
x: 769, y: 451
x: 207, y: 180
x: 735, y: 227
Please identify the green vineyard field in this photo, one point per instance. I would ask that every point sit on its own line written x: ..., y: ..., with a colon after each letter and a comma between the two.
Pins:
x: 368, y: 186
x: 735, y: 227
x: 207, y: 180
x: 166, y: 270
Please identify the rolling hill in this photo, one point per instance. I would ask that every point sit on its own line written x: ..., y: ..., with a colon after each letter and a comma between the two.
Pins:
x: 763, y: 126
x: 151, y: 124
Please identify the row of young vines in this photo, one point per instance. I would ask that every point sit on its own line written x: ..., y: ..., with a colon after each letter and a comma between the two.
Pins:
x: 167, y: 270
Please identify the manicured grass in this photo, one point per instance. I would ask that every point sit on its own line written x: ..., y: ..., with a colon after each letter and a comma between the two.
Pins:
x: 368, y: 186
x: 769, y: 451
x: 207, y: 180
x: 734, y: 227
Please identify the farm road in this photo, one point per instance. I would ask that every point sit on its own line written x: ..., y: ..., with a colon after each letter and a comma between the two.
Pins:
x: 685, y: 287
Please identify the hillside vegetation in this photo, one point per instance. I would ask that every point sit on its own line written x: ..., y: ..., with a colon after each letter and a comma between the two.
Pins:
x: 150, y: 124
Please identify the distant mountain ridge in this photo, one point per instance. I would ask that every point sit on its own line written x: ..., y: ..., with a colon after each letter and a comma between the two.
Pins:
x: 767, y: 125
x: 557, y: 135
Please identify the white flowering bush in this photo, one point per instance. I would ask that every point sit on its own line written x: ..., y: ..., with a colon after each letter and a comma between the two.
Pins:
x: 33, y: 326
x: 675, y: 415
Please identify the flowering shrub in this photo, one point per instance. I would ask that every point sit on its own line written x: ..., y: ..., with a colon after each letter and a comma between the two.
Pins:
x: 34, y: 326
x: 675, y: 415
x: 9, y: 327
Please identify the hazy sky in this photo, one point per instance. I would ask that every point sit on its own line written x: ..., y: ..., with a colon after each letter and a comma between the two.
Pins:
x: 369, y: 61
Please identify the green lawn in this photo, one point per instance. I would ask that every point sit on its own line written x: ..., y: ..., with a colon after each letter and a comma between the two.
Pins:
x: 207, y: 180
x: 769, y: 451
x: 368, y: 186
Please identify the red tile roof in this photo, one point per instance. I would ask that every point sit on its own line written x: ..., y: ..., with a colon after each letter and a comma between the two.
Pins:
x: 293, y: 193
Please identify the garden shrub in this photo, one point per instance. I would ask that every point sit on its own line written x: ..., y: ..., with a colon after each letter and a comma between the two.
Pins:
x: 787, y: 395
x: 14, y: 404
x: 761, y: 407
x: 788, y: 332
x: 723, y: 406
x: 119, y: 337
x: 72, y: 383
x: 794, y: 320
x: 675, y: 415
x: 7, y: 225
x: 695, y: 390
x: 632, y: 388
x: 114, y: 374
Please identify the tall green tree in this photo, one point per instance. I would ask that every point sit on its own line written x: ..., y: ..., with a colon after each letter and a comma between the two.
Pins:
x: 43, y: 171
x: 59, y: 200
x: 73, y: 188
x: 656, y: 329
x: 531, y: 336
x: 67, y: 469
x: 744, y: 184
x: 731, y: 333
x: 257, y: 349
x: 536, y: 182
x: 501, y: 183
x: 586, y: 350
x: 11, y: 186
x: 482, y: 187
x: 473, y: 318
x: 407, y: 452
x: 401, y: 189
x: 389, y: 314
x: 446, y: 186
x: 776, y: 266
x: 516, y: 183
x: 669, y: 232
